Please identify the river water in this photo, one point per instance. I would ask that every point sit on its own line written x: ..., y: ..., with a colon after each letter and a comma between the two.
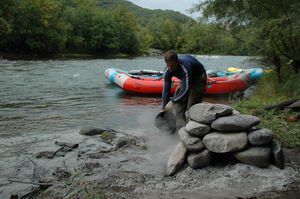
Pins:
x: 53, y: 96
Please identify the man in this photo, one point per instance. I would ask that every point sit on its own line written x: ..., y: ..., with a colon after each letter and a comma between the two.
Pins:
x: 192, y: 85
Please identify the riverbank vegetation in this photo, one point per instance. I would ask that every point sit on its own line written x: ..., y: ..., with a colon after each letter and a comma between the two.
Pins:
x: 269, y: 91
x: 269, y: 29
x: 102, y: 27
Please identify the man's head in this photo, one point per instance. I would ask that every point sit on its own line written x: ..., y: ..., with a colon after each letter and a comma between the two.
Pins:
x: 172, y: 61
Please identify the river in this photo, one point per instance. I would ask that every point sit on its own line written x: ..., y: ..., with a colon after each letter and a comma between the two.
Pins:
x: 52, y: 96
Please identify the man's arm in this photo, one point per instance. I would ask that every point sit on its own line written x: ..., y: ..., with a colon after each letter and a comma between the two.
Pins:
x: 184, y: 85
x: 166, y: 90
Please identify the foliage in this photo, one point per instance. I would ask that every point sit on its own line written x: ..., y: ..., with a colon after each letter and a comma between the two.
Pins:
x: 271, y: 27
x: 235, y: 27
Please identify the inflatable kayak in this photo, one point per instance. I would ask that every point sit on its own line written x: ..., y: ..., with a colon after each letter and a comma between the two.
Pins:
x: 154, y: 85
x: 255, y: 73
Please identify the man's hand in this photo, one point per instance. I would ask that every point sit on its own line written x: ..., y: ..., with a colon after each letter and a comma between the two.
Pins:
x: 169, y: 106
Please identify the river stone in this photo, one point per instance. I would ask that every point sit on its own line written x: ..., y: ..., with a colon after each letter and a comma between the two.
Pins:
x: 197, y: 129
x: 125, y: 141
x: 206, y: 113
x: 90, y: 131
x: 45, y: 155
x: 235, y: 123
x: 198, y: 160
x: 67, y: 144
x: 190, y: 142
x: 225, y: 142
x: 258, y: 156
x: 260, y: 137
x: 277, y: 154
x: 177, y: 159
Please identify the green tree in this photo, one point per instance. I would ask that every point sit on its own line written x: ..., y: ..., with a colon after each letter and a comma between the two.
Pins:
x: 270, y: 28
x: 104, y: 34
x: 127, y: 29
x: 36, y: 27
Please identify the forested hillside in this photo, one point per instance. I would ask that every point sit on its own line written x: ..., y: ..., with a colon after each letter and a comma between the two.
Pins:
x: 102, y: 27
x: 143, y: 15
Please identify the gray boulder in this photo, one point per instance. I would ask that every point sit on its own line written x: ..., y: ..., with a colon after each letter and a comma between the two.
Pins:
x: 225, y: 142
x: 198, y: 160
x: 190, y: 142
x: 90, y: 131
x: 206, y: 113
x: 197, y: 129
x: 258, y: 156
x: 177, y: 159
x: 260, y: 137
x: 277, y: 154
x: 235, y: 123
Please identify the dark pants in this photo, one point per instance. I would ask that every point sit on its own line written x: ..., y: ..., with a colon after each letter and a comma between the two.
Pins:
x: 193, y: 96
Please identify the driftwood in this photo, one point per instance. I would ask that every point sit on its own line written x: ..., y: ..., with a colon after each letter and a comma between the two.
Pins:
x: 281, y: 105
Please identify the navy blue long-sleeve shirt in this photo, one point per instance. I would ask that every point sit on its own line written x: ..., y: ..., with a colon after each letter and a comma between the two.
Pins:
x: 190, y: 69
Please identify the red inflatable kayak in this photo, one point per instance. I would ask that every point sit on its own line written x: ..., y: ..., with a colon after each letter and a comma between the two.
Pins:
x: 154, y: 84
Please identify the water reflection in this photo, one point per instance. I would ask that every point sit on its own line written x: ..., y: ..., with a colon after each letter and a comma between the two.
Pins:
x: 131, y: 99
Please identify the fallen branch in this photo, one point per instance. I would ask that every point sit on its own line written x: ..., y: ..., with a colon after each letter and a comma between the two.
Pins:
x: 281, y: 105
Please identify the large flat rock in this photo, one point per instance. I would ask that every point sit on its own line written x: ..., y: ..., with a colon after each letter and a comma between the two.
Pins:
x: 206, y: 113
x: 225, y: 142
x: 235, y: 123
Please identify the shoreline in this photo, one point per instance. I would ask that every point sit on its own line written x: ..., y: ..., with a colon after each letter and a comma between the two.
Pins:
x: 13, y: 56
x: 66, y: 56
x: 79, y: 56
x: 120, y: 165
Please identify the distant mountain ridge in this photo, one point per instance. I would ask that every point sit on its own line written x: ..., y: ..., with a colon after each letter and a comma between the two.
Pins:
x: 144, y: 14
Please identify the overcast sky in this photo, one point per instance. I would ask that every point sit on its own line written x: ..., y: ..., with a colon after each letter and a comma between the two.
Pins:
x: 178, y: 5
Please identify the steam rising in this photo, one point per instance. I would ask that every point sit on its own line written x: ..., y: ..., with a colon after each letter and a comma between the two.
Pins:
x: 159, y: 144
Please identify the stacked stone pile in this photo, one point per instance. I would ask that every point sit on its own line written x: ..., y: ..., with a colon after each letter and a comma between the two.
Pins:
x: 219, y: 129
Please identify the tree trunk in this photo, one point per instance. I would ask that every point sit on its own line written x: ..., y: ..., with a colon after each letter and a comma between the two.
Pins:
x: 296, y: 65
x: 277, y: 64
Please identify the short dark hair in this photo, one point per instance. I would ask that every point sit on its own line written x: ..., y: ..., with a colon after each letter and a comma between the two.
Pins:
x: 171, y: 56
